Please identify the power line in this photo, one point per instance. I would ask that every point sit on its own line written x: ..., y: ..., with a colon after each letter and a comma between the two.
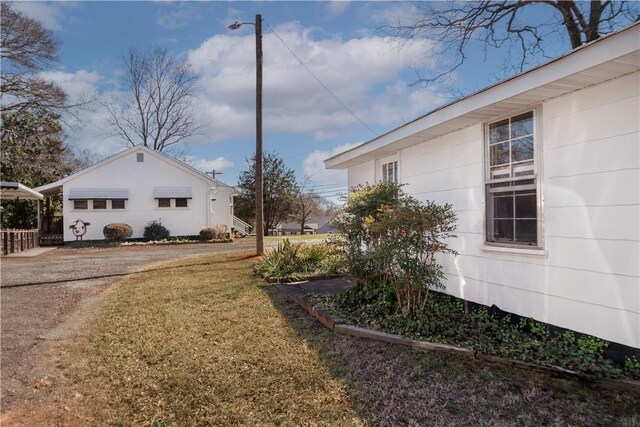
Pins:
x: 320, y: 81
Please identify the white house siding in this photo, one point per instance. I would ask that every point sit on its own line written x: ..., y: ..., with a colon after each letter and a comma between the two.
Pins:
x: 361, y: 174
x: 588, y: 278
x: 140, y: 178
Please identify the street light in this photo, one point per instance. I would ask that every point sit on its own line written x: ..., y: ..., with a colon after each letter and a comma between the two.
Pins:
x: 258, y: 170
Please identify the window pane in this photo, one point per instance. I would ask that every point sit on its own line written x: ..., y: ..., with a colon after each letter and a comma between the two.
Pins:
x: 503, y: 229
x: 80, y: 204
x: 500, y: 172
x: 164, y: 203
x: 503, y: 207
x: 526, y: 206
x: 523, y: 169
x: 395, y: 172
x: 522, y: 125
x: 117, y: 204
x: 522, y: 149
x: 181, y: 203
x: 499, y: 131
x: 385, y: 177
x: 99, y: 204
x: 499, y: 153
x: 526, y: 230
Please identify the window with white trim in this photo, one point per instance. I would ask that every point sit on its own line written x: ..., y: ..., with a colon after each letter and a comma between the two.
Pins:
x: 511, y: 182
x: 390, y: 172
x: 80, y: 205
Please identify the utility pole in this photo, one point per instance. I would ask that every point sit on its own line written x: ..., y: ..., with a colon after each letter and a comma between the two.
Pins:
x: 258, y: 172
x: 213, y: 173
x: 258, y: 166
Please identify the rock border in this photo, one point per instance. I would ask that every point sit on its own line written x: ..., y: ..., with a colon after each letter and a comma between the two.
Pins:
x: 339, y: 326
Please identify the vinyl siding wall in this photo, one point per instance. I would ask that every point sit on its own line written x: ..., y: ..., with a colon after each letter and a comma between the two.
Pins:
x: 588, y: 277
x: 142, y: 207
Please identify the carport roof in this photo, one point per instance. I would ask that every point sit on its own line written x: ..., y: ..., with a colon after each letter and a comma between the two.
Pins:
x: 15, y: 190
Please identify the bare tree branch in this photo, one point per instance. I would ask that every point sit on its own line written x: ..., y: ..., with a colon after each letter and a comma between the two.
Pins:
x: 454, y: 26
x: 157, y: 110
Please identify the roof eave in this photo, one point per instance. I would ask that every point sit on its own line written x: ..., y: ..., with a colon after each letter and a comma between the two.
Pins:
x: 597, y: 52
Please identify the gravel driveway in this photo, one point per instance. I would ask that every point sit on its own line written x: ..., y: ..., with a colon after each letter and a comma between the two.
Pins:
x: 45, y: 299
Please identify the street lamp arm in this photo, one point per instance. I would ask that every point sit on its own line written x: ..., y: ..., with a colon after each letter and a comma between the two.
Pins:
x: 237, y: 25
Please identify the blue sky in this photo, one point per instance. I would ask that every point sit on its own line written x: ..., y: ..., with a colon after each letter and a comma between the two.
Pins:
x: 339, y: 41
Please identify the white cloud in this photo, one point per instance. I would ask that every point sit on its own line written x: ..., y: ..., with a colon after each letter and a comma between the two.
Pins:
x: 79, y: 84
x: 337, y: 7
x: 356, y: 70
x: 204, y: 165
x: 399, y: 12
x: 313, y: 168
x: 50, y: 15
x: 181, y: 15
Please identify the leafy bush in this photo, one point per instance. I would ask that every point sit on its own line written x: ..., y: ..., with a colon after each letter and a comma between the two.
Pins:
x: 446, y: 321
x: 155, y: 231
x: 392, y: 239
x: 295, y: 260
x: 217, y: 232
x: 117, y: 232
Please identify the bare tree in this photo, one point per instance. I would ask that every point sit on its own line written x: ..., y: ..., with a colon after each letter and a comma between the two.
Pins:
x: 453, y: 26
x: 157, y: 109
x: 27, y: 48
x: 304, y: 205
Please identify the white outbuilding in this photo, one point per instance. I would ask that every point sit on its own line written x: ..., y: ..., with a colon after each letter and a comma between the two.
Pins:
x: 543, y: 171
x: 140, y: 185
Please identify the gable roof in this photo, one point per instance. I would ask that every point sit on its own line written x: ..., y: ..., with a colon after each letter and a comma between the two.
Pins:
x: 606, y: 58
x: 174, y: 162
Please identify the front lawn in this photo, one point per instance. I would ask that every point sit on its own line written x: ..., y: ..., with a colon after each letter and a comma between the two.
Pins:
x: 204, y: 343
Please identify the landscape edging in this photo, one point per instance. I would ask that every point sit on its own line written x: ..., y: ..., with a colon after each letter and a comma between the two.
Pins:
x: 338, y: 326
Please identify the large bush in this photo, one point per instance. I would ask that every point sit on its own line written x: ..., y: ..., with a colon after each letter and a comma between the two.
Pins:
x: 155, y: 231
x: 117, y: 232
x: 391, y: 239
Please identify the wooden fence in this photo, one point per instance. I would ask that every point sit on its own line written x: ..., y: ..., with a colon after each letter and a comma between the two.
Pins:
x: 12, y: 241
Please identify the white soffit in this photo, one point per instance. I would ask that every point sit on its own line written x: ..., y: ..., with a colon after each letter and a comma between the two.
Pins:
x: 605, y: 59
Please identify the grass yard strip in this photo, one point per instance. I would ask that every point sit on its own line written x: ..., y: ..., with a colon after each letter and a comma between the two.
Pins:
x: 204, y: 345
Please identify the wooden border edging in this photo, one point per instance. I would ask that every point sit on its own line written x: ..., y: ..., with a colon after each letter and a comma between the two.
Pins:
x: 338, y: 326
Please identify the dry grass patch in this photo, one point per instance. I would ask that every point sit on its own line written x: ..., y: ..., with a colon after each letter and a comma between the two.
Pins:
x: 202, y: 345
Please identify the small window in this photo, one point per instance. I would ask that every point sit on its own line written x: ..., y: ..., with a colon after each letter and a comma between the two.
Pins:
x: 390, y: 172
x: 117, y: 204
x: 99, y: 204
x: 80, y: 205
x: 182, y: 203
x: 140, y: 157
x: 164, y: 203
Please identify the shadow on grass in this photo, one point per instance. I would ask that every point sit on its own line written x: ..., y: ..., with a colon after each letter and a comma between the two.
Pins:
x: 131, y: 273
x: 395, y: 385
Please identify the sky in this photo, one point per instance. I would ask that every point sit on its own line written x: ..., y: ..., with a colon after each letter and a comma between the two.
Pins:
x: 339, y: 41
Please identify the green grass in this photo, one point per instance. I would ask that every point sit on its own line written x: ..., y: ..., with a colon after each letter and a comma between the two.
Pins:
x: 204, y: 343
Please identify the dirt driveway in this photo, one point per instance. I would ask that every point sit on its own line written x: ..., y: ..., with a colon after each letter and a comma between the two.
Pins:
x: 45, y: 299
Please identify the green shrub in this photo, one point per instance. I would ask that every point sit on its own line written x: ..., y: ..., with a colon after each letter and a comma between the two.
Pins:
x: 392, y: 239
x: 117, y: 232
x: 293, y: 260
x: 155, y: 231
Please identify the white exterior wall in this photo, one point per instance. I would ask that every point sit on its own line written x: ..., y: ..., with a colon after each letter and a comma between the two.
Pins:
x: 361, y: 174
x: 142, y: 208
x: 588, y: 277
